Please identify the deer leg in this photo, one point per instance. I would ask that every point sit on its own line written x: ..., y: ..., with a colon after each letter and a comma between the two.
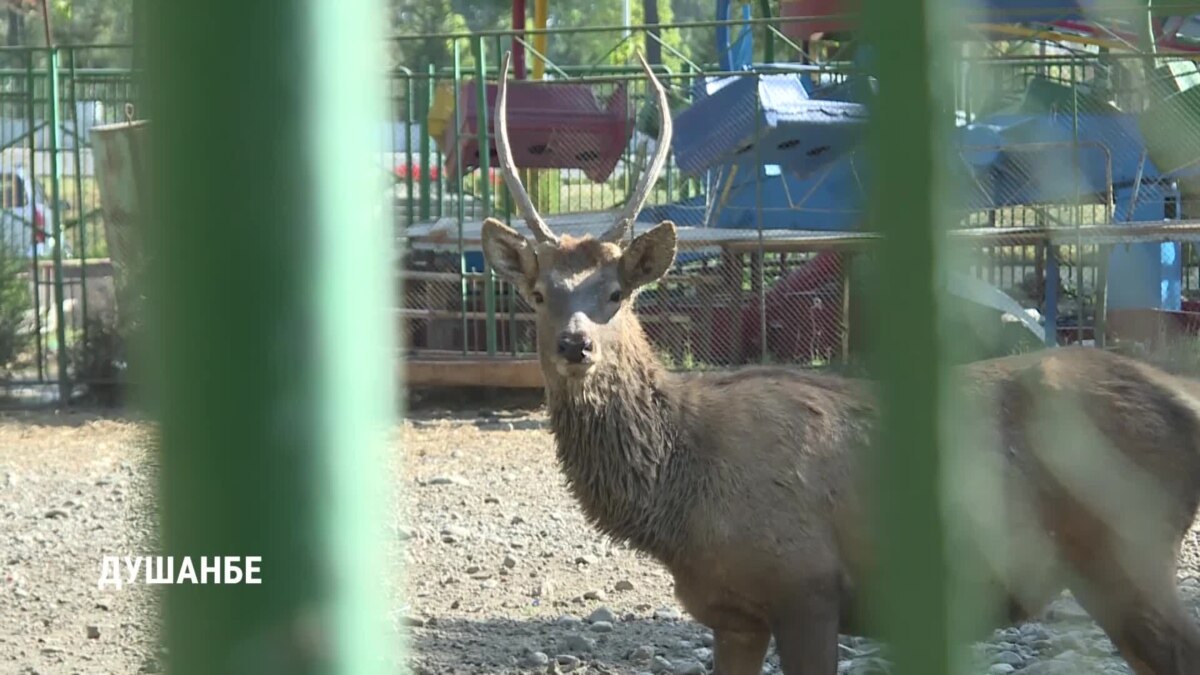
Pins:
x: 807, y: 639
x: 1152, y: 631
x: 1136, y: 602
x: 739, y: 653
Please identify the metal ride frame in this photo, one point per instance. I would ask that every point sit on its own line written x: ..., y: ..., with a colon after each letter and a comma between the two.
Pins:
x: 464, y: 327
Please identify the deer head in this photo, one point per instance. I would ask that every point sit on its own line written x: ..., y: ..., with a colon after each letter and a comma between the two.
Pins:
x: 581, y: 289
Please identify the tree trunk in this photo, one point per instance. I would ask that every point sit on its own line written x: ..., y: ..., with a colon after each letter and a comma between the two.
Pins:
x: 650, y: 18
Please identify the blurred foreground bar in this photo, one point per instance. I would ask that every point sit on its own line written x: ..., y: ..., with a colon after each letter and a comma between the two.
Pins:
x: 913, y: 604
x: 272, y: 365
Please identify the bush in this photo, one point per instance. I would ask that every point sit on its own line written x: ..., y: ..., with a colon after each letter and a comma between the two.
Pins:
x: 100, y: 361
x: 15, y: 306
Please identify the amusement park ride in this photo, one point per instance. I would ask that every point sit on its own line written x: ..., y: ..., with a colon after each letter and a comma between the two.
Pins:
x: 774, y: 146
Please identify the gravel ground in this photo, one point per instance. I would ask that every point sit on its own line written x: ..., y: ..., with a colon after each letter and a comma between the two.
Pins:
x: 503, y: 574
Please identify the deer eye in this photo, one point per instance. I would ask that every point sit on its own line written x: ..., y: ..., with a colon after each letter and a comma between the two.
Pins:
x: 538, y: 297
x: 615, y: 297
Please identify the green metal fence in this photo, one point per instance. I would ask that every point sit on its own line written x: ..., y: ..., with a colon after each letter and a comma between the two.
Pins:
x: 733, y: 302
x: 737, y: 300
x: 49, y: 101
x: 273, y: 316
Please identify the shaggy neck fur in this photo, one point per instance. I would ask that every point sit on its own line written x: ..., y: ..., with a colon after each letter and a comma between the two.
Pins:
x: 619, y: 444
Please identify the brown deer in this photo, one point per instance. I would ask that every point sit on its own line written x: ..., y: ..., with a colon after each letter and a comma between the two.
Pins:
x: 747, y: 484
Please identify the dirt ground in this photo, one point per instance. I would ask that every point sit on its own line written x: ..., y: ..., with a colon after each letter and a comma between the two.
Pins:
x: 503, y: 574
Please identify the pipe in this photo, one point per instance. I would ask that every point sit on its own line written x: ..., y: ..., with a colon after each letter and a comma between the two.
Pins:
x: 541, y: 15
x: 518, y: 46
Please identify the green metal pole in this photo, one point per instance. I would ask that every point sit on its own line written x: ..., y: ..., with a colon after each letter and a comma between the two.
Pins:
x: 912, y: 602
x: 462, y: 254
x: 77, y: 157
x: 30, y: 119
x: 426, y: 163
x: 409, y: 119
x: 272, y: 361
x: 485, y: 190
x: 60, y: 333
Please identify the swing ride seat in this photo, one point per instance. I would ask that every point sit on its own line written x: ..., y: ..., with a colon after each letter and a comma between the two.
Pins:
x: 765, y: 119
x: 550, y: 126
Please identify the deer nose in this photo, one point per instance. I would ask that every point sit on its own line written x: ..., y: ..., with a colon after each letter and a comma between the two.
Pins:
x: 574, y: 347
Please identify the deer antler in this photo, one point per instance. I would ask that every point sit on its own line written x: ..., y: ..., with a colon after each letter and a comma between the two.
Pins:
x: 619, y: 231
x: 508, y: 167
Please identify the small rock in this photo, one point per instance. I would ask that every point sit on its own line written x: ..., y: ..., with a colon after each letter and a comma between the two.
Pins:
x: 602, y: 614
x: 581, y: 643
x: 667, y: 614
x: 509, y: 562
x: 1001, y: 669
x: 452, y: 534
x: 624, y: 585
x: 594, y: 595
x: 57, y: 513
x: 567, y: 662
x: 544, y: 590
x: 414, y: 621
x: 569, y: 620
x: 643, y: 653
x: 516, y: 520
x: 93, y: 632
x: 534, y: 660
x: 473, y: 569
x: 1010, y: 658
x: 448, y: 480
x: 689, y: 668
x: 602, y: 627
x: 491, y: 499
x: 405, y: 533
x: 585, y: 559
x: 660, y: 665
x: 703, y: 654
x: 1068, y: 611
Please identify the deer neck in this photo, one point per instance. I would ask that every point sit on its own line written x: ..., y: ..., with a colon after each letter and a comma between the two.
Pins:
x: 618, y: 443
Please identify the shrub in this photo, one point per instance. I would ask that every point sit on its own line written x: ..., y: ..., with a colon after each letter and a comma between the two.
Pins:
x: 15, y: 306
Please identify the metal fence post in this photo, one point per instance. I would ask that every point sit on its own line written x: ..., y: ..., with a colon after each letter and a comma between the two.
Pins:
x: 77, y: 159
x: 273, y: 371
x: 912, y: 582
x: 60, y: 333
x: 31, y: 121
x: 485, y: 185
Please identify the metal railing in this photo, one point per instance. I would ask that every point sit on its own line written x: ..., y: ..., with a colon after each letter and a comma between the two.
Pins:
x: 737, y: 302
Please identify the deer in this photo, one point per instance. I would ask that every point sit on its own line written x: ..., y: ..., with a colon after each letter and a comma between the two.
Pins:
x: 749, y: 484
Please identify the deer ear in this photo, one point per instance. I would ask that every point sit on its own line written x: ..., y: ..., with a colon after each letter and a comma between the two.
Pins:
x: 510, y: 254
x: 649, y: 256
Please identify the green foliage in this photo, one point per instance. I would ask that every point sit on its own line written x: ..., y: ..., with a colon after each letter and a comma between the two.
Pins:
x: 82, y: 22
x: 15, y: 304
x: 426, y: 17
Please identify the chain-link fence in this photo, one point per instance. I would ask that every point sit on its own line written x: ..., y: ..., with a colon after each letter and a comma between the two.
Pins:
x: 767, y: 182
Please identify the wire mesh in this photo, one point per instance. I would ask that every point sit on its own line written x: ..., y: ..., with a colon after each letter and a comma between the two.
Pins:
x: 744, y: 300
